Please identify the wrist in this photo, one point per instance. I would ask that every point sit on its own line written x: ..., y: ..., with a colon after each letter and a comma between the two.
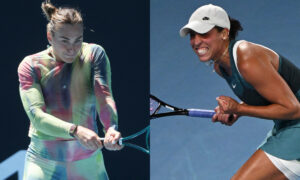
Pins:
x: 73, y: 130
x: 240, y: 108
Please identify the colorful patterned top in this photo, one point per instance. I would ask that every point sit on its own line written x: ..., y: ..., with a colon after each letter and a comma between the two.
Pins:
x: 56, y: 95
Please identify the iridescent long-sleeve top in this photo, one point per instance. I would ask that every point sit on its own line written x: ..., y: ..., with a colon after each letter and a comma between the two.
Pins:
x: 56, y: 95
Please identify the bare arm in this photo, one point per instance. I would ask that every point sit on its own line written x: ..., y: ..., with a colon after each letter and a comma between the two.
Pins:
x: 257, y: 69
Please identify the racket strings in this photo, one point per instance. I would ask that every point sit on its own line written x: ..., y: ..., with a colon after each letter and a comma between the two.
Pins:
x: 154, y: 106
x: 129, y: 144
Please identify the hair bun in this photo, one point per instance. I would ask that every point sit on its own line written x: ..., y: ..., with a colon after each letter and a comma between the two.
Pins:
x: 48, y: 9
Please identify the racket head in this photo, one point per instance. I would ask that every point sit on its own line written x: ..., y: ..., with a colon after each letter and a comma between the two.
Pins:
x: 157, y: 111
x: 126, y: 140
x: 155, y: 105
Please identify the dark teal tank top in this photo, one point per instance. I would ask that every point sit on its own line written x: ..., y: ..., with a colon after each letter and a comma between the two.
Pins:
x: 285, y: 147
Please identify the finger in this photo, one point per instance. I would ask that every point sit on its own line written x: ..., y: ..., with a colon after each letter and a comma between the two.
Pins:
x: 222, y: 97
x: 92, y: 145
x: 219, y: 100
x: 99, y: 143
x: 223, y: 118
x: 217, y: 109
x: 118, y: 147
x: 106, y: 142
x: 111, y: 139
x: 222, y: 107
x: 234, y: 119
x: 214, y: 118
x: 116, y: 137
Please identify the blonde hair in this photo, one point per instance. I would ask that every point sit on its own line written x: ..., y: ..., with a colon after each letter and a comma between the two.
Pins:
x: 62, y: 15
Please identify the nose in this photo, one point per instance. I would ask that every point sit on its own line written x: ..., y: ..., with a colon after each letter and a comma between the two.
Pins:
x: 195, y: 39
x: 71, y: 48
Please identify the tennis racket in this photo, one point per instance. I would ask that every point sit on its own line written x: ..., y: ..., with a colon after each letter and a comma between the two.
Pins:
x: 156, y: 110
x: 126, y: 141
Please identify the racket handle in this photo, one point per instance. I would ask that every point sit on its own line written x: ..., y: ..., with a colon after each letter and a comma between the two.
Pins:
x: 201, y: 113
x: 120, y: 142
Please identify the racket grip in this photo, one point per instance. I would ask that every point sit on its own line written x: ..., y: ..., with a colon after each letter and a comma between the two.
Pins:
x: 120, y: 142
x: 201, y: 113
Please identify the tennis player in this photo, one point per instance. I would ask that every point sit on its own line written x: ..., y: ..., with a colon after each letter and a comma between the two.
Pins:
x: 62, y: 88
x: 266, y: 82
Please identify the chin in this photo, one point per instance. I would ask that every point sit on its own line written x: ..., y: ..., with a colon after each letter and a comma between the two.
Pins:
x: 204, y: 59
x: 69, y: 60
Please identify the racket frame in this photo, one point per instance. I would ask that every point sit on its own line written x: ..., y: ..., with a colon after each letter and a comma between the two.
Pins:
x: 122, y: 141
x: 176, y: 110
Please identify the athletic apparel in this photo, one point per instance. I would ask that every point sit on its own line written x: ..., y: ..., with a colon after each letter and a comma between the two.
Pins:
x: 284, y: 140
x: 291, y: 169
x: 56, y: 95
x: 38, y: 168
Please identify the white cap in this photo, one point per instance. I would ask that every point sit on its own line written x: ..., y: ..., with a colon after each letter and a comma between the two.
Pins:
x: 205, y: 18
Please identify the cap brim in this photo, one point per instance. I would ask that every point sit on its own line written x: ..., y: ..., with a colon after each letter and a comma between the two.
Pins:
x: 198, y: 27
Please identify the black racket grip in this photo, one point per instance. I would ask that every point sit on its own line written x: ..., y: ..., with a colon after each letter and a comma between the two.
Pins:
x: 231, y: 118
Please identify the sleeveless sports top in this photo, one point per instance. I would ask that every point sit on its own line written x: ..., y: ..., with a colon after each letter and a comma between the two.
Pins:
x: 284, y: 139
x: 246, y: 92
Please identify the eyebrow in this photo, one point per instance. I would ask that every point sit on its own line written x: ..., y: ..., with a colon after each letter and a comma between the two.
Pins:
x: 63, y: 37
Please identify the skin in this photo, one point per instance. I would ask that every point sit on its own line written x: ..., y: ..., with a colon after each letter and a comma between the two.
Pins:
x: 284, y: 104
x: 66, y: 43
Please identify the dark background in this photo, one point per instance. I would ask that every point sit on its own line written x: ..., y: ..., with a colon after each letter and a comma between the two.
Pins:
x: 122, y: 28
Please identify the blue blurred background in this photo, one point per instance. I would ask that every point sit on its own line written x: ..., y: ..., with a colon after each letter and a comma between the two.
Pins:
x: 185, y: 148
x: 122, y: 28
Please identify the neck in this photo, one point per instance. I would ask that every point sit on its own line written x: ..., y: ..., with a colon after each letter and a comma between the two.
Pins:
x: 224, y: 59
x: 55, y: 57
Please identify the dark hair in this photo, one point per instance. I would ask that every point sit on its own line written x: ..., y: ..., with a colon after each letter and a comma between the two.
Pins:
x: 235, y: 27
x: 63, y: 15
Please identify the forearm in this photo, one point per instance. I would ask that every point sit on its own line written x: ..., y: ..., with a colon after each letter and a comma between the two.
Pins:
x: 108, y: 113
x: 49, y: 125
x: 273, y: 111
x: 106, y: 106
x: 43, y: 122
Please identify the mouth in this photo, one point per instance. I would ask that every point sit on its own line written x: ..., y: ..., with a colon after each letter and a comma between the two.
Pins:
x: 70, y: 56
x: 202, y: 51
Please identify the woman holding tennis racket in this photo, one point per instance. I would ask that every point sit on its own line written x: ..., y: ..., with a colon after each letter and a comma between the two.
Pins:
x: 266, y: 82
x: 62, y: 88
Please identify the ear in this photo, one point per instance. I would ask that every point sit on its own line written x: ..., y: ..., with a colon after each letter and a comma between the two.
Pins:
x: 225, y: 34
x: 49, y: 37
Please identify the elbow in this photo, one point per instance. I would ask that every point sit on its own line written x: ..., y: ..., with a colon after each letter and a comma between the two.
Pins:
x: 294, y: 111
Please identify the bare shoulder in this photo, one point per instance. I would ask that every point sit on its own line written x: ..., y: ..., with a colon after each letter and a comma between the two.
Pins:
x: 251, y: 55
x: 248, y: 50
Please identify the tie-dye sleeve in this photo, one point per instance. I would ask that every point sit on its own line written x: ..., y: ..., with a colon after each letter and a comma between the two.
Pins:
x: 34, y: 105
x: 105, y: 103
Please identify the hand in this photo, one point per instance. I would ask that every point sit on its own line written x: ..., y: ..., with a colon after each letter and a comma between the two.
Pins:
x: 111, y: 139
x: 227, y: 105
x: 227, y: 119
x: 88, y: 138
